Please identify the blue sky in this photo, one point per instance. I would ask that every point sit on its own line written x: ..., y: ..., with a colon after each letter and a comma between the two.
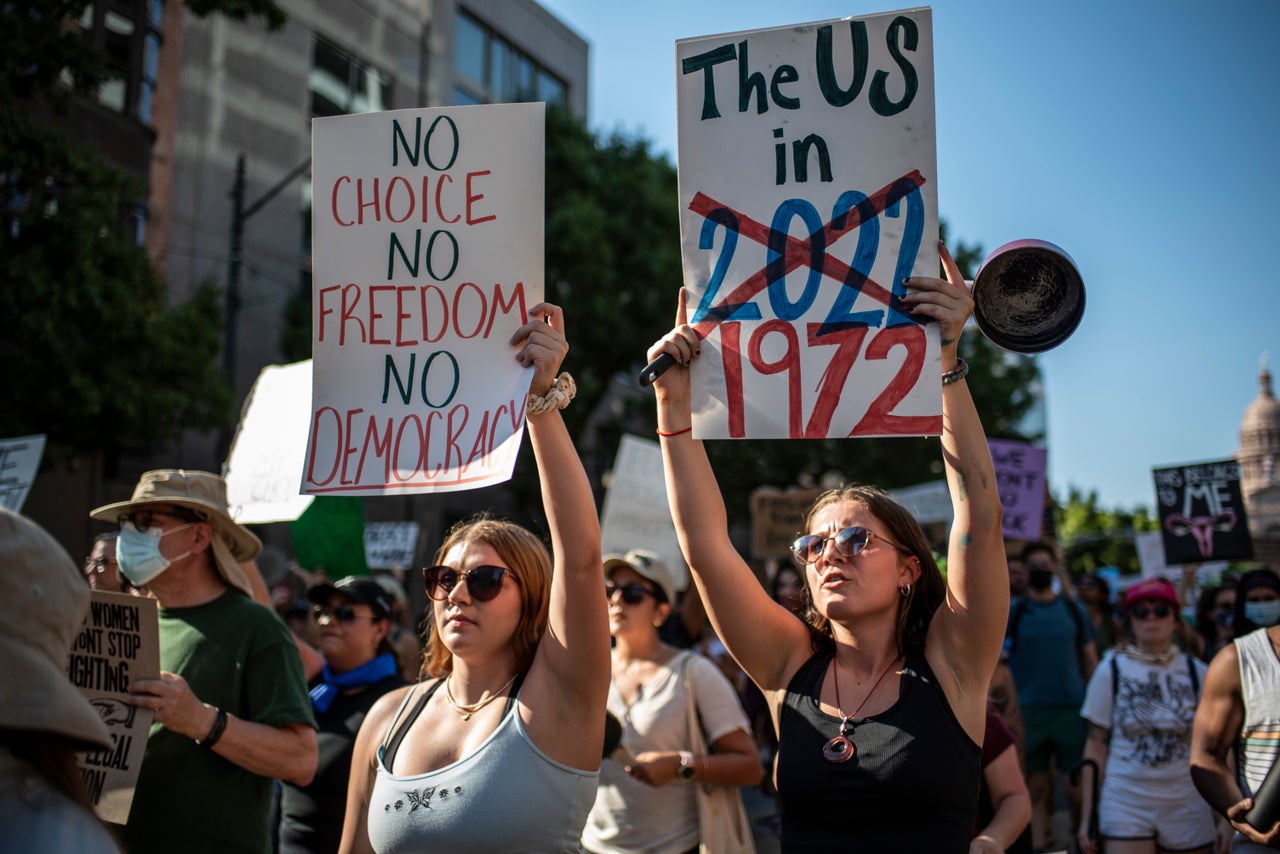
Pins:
x: 1139, y: 136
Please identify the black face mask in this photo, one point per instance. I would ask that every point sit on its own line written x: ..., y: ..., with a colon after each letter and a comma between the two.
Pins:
x: 1224, y: 617
x: 1040, y: 579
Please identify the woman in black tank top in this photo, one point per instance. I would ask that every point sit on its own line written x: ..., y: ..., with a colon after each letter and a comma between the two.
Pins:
x: 879, y: 692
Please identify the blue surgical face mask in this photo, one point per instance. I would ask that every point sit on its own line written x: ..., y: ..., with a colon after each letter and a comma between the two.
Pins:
x: 139, y: 553
x: 1265, y: 614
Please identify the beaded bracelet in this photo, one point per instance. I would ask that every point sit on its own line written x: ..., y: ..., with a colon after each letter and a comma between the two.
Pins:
x: 959, y: 372
x: 557, y: 397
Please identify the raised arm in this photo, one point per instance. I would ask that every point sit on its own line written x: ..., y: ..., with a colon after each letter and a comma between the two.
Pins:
x: 968, y: 628
x: 766, y: 640
x: 569, y: 679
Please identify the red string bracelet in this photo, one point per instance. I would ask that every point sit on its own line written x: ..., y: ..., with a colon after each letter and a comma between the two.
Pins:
x: 669, y: 433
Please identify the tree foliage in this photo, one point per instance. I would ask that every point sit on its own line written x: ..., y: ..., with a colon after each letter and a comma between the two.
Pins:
x: 1093, y: 536
x: 93, y: 353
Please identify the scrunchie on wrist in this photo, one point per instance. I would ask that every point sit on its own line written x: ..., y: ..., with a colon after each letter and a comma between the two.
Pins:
x: 557, y: 397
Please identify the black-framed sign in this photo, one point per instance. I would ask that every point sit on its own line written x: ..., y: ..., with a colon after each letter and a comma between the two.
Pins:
x: 1202, y: 514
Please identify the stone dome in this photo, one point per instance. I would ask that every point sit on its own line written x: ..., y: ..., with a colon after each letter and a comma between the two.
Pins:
x: 1260, y: 428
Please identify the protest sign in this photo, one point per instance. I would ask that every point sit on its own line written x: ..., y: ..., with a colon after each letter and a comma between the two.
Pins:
x: 777, y: 518
x: 118, y: 642
x: 265, y: 464
x: 1020, y: 478
x: 329, y: 535
x: 636, y: 514
x: 808, y: 192
x: 928, y: 503
x: 1202, y: 514
x: 19, y: 462
x: 428, y: 233
x: 1151, y: 562
x: 390, y: 545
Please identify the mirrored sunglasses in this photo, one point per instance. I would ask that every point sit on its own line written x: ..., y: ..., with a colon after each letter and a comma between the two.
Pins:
x: 849, y: 542
x: 342, y: 613
x: 1141, y: 612
x: 483, y: 582
x: 632, y: 594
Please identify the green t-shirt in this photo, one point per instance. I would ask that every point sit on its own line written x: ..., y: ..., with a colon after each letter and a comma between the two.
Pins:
x: 239, y: 656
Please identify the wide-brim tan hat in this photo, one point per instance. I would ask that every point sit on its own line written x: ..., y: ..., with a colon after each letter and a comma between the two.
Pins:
x: 206, y: 494
x: 43, y: 600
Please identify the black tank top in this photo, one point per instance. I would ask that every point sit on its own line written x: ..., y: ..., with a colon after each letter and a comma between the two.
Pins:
x: 912, y: 785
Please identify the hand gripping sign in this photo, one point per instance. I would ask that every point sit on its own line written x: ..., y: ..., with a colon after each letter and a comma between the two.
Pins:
x: 428, y: 242
x: 808, y: 190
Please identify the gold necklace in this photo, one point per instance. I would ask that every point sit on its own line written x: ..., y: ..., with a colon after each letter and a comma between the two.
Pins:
x: 466, y: 710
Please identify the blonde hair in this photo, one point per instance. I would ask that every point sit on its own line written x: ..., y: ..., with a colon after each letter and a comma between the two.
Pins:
x: 916, y: 609
x: 527, y: 557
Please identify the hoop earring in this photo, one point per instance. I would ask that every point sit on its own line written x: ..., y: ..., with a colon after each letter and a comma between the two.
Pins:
x: 905, y: 590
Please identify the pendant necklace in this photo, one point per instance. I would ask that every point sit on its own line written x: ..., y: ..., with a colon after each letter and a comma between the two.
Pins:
x: 469, y: 709
x: 840, y: 748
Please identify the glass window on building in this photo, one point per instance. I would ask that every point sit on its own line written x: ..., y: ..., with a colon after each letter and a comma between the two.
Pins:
x: 341, y: 83
x: 128, y: 34
x: 490, y: 69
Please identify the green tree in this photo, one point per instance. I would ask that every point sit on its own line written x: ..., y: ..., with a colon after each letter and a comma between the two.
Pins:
x: 1093, y: 536
x: 92, y: 352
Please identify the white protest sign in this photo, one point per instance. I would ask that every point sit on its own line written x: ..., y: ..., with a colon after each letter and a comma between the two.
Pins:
x: 636, y: 514
x: 808, y: 192
x: 19, y: 462
x: 1151, y: 561
x: 390, y: 545
x: 269, y: 451
x: 428, y: 233
x: 929, y: 503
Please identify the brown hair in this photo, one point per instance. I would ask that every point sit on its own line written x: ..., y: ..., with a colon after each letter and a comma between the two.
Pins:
x: 916, y: 609
x: 527, y: 557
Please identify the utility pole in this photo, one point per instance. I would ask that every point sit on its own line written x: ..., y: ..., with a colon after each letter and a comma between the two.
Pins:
x: 239, y: 215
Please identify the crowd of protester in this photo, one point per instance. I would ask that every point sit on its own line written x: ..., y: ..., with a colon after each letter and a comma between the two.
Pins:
x: 551, y: 698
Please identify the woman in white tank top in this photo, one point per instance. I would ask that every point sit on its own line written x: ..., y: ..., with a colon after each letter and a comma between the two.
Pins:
x: 502, y: 750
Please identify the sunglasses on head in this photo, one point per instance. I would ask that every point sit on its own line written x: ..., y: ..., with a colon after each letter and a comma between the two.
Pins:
x: 143, y: 520
x: 483, y: 582
x: 342, y: 613
x: 849, y: 542
x: 632, y: 594
x: 1141, y: 612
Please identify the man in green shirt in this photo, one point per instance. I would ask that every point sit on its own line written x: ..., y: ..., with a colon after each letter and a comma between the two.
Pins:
x: 231, y: 706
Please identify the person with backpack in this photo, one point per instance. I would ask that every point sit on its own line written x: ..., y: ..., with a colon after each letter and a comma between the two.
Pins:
x: 1140, y: 706
x: 1052, y: 651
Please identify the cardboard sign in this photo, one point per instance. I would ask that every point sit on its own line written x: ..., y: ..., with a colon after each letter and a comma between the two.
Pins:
x: 119, y: 642
x: 428, y: 233
x: 390, y: 545
x: 1202, y: 513
x: 777, y: 518
x: 19, y: 462
x: 808, y: 192
x: 1020, y: 477
x: 269, y: 451
x: 636, y: 514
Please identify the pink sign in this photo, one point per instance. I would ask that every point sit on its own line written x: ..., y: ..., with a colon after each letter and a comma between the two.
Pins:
x: 1020, y: 472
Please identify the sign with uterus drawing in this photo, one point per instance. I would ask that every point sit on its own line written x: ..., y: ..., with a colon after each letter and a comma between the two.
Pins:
x: 1202, y: 514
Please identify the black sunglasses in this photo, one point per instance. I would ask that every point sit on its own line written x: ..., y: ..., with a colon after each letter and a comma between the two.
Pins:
x: 483, y: 582
x: 849, y: 542
x: 342, y: 613
x: 143, y: 519
x: 632, y: 594
x: 1141, y: 612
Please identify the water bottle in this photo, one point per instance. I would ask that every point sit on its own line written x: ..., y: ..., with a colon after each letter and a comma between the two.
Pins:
x: 1266, y: 801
